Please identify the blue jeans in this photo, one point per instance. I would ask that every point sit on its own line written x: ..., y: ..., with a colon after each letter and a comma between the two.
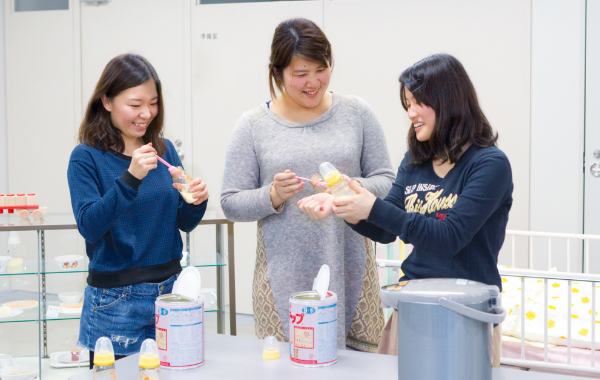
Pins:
x: 125, y: 315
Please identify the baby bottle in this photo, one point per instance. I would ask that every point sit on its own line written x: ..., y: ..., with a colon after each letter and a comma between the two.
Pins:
x: 182, y: 180
x: 333, y: 179
x: 149, y: 361
x: 15, y: 265
x: 104, y: 360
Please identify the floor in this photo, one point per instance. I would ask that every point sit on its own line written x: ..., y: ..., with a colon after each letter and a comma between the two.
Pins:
x: 245, y: 328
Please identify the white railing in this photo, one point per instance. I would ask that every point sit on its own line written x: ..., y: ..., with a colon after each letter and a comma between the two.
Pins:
x: 550, y: 235
x: 545, y: 276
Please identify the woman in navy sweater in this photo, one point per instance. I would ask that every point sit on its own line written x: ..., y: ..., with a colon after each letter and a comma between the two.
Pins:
x: 453, y: 190
x: 126, y: 206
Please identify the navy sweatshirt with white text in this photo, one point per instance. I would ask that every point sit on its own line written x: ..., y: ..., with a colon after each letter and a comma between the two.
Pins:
x: 456, y: 224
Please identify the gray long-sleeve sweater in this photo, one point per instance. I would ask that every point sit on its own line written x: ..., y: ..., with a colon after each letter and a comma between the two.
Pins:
x: 261, y: 145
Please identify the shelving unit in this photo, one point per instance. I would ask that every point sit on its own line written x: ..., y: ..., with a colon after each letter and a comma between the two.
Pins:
x: 224, y: 257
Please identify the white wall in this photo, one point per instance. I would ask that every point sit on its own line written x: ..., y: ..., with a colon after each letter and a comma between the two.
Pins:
x: 3, y: 131
x: 557, y: 121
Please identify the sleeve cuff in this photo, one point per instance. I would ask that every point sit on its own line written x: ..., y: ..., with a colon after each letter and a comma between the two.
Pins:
x: 279, y: 209
x: 130, y: 180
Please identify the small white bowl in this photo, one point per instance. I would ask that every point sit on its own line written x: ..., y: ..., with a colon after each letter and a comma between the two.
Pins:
x: 70, y: 297
x: 69, y: 262
x: 31, y: 372
x: 4, y: 260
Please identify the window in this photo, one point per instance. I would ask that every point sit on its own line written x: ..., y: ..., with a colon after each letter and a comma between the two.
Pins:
x: 41, y: 5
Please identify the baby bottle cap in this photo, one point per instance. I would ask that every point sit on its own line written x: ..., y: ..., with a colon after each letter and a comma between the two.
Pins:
x: 321, y: 282
x: 104, y: 354
x: 330, y: 174
x: 149, y: 354
x: 13, y: 237
x: 271, y: 348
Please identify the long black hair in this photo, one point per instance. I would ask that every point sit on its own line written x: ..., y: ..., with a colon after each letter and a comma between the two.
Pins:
x: 441, y: 82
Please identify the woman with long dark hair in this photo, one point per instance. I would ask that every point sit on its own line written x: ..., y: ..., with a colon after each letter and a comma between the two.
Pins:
x: 453, y: 190
x: 299, y: 129
x: 126, y: 207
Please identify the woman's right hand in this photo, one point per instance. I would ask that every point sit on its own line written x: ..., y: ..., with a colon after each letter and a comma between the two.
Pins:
x: 142, y: 161
x: 285, y: 186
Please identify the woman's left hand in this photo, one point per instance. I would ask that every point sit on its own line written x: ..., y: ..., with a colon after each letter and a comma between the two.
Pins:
x: 354, y: 208
x: 198, y: 190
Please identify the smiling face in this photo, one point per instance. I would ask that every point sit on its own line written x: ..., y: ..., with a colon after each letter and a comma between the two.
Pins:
x: 422, y: 117
x: 132, y: 110
x: 305, y: 82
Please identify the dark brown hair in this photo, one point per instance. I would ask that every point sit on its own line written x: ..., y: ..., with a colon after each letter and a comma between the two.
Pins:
x: 441, y: 82
x: 122, y: 72
x: 297, y: 37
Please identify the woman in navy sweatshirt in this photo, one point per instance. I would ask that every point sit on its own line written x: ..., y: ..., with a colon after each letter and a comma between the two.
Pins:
x: 453, y: 190
x: 126, y: 206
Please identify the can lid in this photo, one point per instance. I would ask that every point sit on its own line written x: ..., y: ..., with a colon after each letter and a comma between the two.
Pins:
x: 321, y: 282
x: 430, y: 290
x: 20, y: 195
x: 188, y: 283
x: 10, y: 195
x: 30, y: 194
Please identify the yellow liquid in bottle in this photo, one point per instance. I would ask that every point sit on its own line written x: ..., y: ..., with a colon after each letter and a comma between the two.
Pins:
x: 149, y: 361
x: 104, y: 358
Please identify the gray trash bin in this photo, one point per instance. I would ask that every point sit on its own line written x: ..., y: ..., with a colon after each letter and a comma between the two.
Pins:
x: 444, y: 328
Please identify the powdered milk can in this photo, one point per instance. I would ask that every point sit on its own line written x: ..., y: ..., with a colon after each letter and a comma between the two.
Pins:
x: 444, y: 328
x: 313, y: 324
x: 180, y: 323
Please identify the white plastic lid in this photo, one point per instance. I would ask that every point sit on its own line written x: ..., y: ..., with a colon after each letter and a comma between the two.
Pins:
x: 188, y: 284
x: 329, y: 173
x: 13, y: 237
x: 321, y: 282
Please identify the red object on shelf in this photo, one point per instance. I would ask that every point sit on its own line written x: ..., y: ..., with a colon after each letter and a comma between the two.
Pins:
x: 34, y: 207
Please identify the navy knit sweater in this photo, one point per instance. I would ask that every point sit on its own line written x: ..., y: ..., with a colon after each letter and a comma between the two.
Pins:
x: 131, y: 226
x: 456, y: 223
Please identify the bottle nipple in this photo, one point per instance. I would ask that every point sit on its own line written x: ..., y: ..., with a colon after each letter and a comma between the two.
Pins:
x: 271, y: 348
x: 104, y: 355
x: 330, y: 174
x: 149, y: 354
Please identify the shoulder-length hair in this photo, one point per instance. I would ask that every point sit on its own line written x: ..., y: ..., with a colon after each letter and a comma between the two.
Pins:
x: 297, y: 37
x: 122, y: 72
x: 441, y: 82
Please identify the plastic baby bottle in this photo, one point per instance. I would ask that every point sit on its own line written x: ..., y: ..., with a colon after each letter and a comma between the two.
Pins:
x: 104, y: 360
x: 149, y: 361
x: 333, y: 179
x: 15, y: 265
x: 182, y: 179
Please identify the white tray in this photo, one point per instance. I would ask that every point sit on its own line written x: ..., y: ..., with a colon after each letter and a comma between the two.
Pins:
x: 54, y: 362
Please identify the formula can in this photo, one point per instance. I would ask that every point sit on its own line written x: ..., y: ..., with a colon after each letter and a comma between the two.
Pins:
x: 313, y: 329
x: 179, y: 331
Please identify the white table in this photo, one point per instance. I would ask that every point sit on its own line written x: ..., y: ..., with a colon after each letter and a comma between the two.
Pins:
x: 235, y: 358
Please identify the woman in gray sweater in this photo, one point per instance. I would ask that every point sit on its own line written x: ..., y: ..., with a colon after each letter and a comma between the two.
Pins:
x: 292, y: 135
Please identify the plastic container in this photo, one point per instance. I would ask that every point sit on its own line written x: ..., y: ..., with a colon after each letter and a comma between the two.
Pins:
x: 104, y: 360
x: 14, y: 244
x: 15, y: 265
x: 149, y: 361
x: 182, y: 180
x: 332, y: 177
